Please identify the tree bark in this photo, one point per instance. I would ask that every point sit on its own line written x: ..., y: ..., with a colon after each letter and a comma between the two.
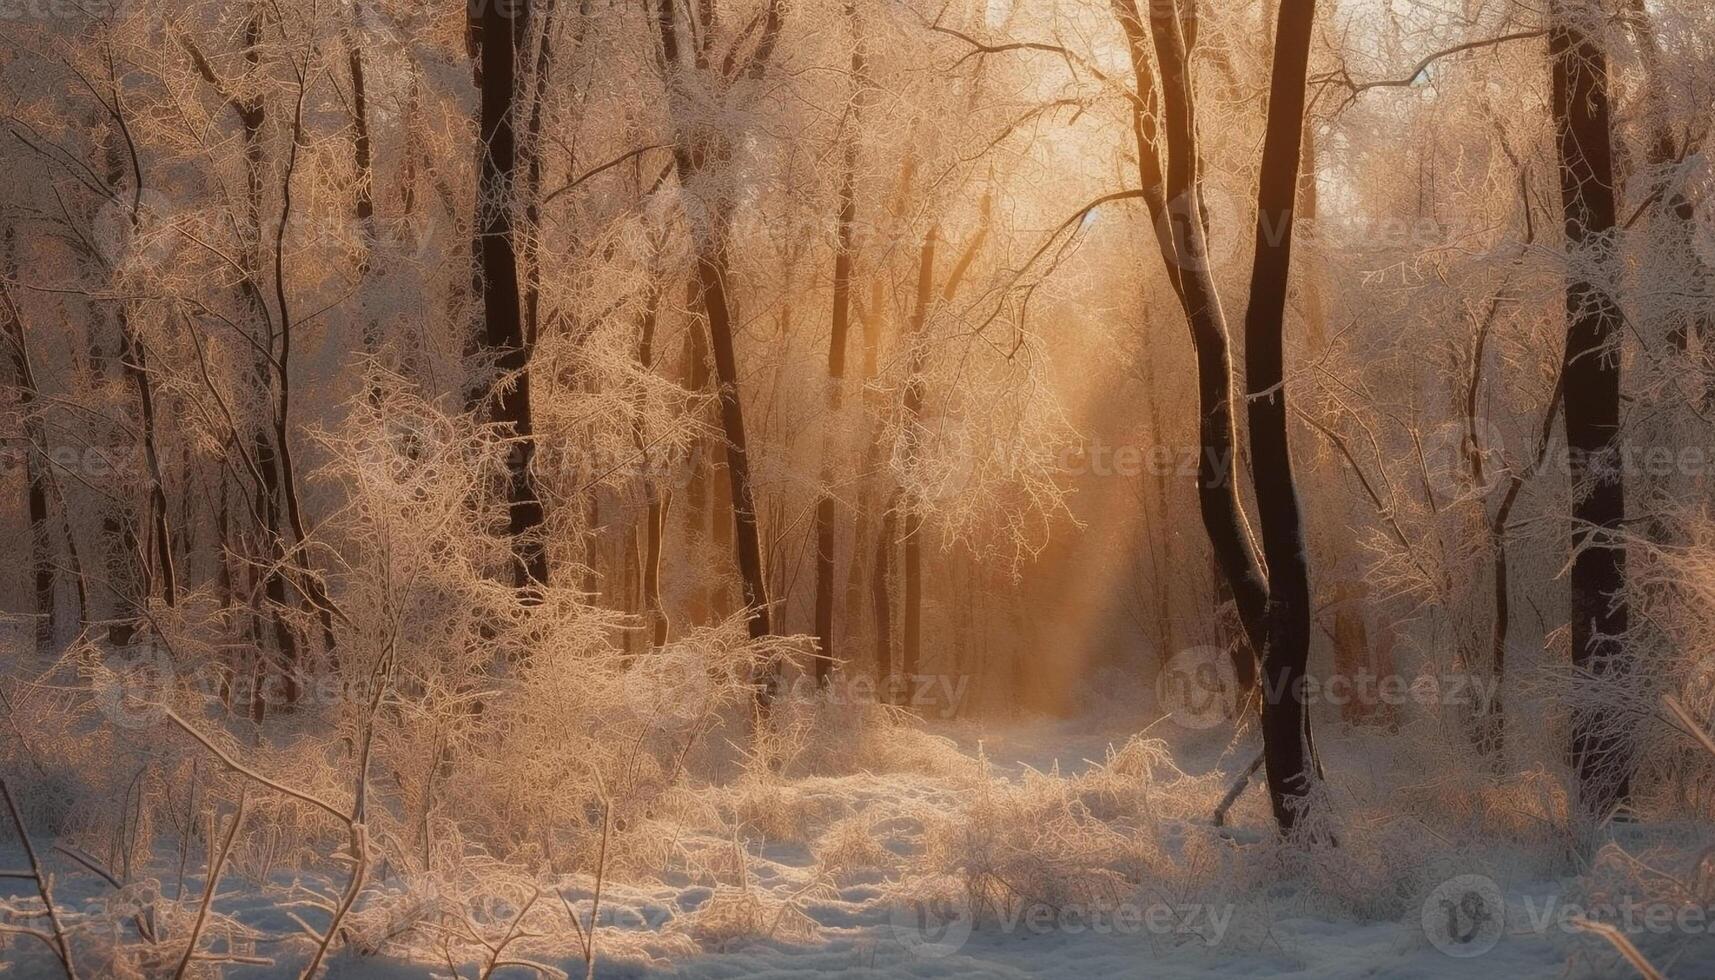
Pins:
x: 657, y: 499
x: 1288, y: 751
x: 747, y: 540
x: 841, y: 320
x: 1601, y: 752
x: 912, y: 538
x: 881, y: 595
x: 35, y: 467
x: 690, y: 157
x: 1182, y: 214
x: 503, y: 325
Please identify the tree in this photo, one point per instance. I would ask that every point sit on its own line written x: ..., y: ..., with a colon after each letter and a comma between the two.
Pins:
x: 840, y: 322
x: 1590, y: 377
x: 1175, y: 202
x: 692, y: 154
x: 497, y: 29
x: 1287, y: 746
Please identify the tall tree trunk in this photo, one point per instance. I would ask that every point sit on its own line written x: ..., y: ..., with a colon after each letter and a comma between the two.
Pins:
x: 134, y: 357
x: 1288, y: 751
x: 1182, y: 216
x: 35, y: 465
x: 690, y: 157
x: 912, y: 538
x: 503, y: 325
x: 271, y: 550
x: 712, y: 268
x: 841, y: 319
x: 363, y: 204
x: 881, y: 595
x: 656, y: 497
x: 1601, y: 750
x: 541, y: 69
x: 699, y: 506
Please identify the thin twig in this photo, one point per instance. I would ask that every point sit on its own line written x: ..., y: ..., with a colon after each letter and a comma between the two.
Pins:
x: 217, y: 866
x: 44, y: 886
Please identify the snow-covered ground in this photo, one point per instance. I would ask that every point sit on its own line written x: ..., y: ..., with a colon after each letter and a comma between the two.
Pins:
x: 872, y: 874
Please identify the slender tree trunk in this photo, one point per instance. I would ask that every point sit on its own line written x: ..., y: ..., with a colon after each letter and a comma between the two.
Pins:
x: 35, y: 467
x: 825, y: 532
x: 912, y: 539
x: 271, y: 550
x: 135, y: 583
x: 541, y: 69
x: 699, y: 506
x: 1182, y: 213
x: 1288, y: 751
x: 503, y: 326
x: 135, y: 359
x: 1601, y: 749
x: 689, y: 158
x: 657, y: 498
x: 712, y: 269
x: 881, y: 595
x: 363, y: 205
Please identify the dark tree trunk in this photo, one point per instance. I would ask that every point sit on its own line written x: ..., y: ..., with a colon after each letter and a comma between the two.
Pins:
x: 699, y: 506
x: 747, y: 539
x: 841, y: 320
x: 270, y: 548
x: 1217, y: 488
x: 363, y: 204
x: 135, y: 359
x: 657, y: 498
x: 35, y: 468
x: 690, y: 158
x: 503, y: 336
x: 541, y: 70
x: 1590, y: 374
x: 1288, y: 751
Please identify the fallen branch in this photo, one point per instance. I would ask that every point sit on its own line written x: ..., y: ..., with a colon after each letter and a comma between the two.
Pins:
x: 1237, y: 790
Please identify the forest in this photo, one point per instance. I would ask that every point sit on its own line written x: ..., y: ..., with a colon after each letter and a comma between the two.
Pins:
x: 878, y: 488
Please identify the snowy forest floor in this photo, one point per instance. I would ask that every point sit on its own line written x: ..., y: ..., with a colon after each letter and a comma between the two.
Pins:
x: 957, y: 849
